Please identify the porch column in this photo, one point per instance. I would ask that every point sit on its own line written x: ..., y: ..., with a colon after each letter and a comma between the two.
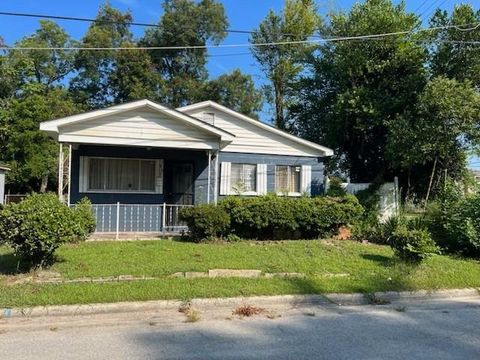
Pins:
x: 60, y: 173
x: 209, y: 156
x: 215, y: 196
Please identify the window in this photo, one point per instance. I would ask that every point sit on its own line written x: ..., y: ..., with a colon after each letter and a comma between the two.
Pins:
x: 287, y: 179
x: 243, y: 178
x: 113, y: 174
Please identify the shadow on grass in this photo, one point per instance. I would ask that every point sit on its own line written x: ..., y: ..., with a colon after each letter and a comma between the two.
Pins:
x: 381, y: 259
x: 11, y: 265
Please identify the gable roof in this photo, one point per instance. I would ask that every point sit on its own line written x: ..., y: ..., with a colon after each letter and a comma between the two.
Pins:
x: 322, y: 150
x: 52, y: 127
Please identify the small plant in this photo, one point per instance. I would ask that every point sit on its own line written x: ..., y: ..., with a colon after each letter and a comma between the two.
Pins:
x: 412, y: 245
x: 192, y: 315
x: 335, y: 187
x: 247, y: 310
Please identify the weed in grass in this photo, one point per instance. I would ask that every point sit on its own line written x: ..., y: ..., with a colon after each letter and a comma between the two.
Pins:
x: 192, y: 315
x: 53, y: 328
x: 309, y: 313
x: 247, y: 310
x: 152, y: 323
x: 401, y: 308
x: 376, y: 300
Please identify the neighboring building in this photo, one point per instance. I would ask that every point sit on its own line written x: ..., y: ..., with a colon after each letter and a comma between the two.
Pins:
x: 3, y: 170
x: 144, y: 153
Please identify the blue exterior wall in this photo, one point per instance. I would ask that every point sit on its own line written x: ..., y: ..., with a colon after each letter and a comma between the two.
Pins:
x: 200, y: 162
x: 197, y: 157
x: 273, y: 160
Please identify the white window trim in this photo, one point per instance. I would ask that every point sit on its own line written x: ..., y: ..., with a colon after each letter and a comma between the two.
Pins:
x: 85, y: 169
x: 293, y: 193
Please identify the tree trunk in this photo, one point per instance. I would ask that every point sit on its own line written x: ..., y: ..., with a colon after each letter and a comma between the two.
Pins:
x: 279, y: 119
x: 431, y: 181
x: 43, y: 185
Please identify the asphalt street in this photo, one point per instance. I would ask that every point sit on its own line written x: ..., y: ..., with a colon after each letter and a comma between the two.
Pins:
x: 441, y: 329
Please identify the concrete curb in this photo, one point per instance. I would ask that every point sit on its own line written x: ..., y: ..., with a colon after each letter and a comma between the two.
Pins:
x: 212, y: 303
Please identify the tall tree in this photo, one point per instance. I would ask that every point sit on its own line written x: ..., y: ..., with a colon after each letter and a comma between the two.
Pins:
x: 37, y: 95
x: 113, y: 76
x: 236, y: 91
x: 282, y: 63
x: 359, y: 87
x: 185, y: 23
x: 454, y: 53
x: 437, y: 130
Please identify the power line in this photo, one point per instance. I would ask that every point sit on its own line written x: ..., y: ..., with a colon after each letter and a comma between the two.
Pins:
x: 128, y: 23
x: 430, y: 13
x: 249, y: 45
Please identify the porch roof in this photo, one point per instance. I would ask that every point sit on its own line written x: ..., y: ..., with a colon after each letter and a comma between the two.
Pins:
x: 138, y: 123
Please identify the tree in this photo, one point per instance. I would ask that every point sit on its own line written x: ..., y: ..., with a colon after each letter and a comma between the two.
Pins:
x: 185, y: 23
x: 282, y: 63
x: 454, y: 53
x: 36, y: 94
x: 443, y: 125
x: 113, y: 76
x: 358, y: 87
x: 236, y: 91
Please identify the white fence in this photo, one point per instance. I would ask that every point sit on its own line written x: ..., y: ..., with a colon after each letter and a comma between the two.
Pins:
x: 124, y: 218
x: 353, y: 188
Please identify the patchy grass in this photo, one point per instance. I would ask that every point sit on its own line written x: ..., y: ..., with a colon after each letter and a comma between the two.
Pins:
x: 368, y: 268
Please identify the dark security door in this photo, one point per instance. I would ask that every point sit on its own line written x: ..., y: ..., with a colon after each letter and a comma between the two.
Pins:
x: 181, y: 184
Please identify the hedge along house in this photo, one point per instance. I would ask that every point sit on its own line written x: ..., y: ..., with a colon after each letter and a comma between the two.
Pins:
x: 142, y: 161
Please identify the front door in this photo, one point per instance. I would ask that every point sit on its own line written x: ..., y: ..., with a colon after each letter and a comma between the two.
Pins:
x: 180, y: 184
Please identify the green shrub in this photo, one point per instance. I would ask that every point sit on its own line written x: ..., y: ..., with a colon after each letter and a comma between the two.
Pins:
x: 274, y: 217
x: 412, y: 245
x: 335, y: 187
x: 84, y: 219
x: 38, y: 225
x: 454, y: 221
x: 205, y: 221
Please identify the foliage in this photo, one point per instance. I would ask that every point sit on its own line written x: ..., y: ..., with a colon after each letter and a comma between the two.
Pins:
x: 205, y: 221
x: 185, y: 23
x: 108, y: 76
x: 38, y: 225
x: 412, y: 245
x: 357, y: 87
x: 84, y: 219
x: 273, y: 217
x: 236, y: 91
x: 283, y: 63
x: 454, y: 221
x: 335, y: 187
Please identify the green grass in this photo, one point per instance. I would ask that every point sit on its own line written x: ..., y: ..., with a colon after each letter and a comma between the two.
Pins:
x: 370, y: 268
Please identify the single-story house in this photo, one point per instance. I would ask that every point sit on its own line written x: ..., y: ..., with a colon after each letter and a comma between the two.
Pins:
x: 145, y: 153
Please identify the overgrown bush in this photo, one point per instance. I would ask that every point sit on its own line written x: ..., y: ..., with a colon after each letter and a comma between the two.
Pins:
x: 205, y: 221
x: 412, y: 245
x: 454, y: 221
x: 274, y: 217
x: 38, y: 225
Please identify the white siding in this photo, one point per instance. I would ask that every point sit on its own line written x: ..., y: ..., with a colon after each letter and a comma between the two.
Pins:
x: 250, y: 138
x: 147, y: 128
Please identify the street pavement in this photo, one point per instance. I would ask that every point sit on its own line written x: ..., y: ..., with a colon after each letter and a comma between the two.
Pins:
x: 427, y: 329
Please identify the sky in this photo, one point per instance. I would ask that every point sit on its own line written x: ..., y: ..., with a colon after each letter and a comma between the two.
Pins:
x: 241, y: 14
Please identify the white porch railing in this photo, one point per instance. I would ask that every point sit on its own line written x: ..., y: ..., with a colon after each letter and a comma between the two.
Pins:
x: 124, y: 218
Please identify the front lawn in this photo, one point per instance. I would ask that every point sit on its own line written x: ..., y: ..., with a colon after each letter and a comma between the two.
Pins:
x: 330, y: 266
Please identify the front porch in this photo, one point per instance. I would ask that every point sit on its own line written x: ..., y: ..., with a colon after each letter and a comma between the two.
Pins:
x: 139, y: 175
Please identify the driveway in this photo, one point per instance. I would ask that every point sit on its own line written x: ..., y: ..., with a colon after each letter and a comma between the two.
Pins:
x: 441, y: 329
